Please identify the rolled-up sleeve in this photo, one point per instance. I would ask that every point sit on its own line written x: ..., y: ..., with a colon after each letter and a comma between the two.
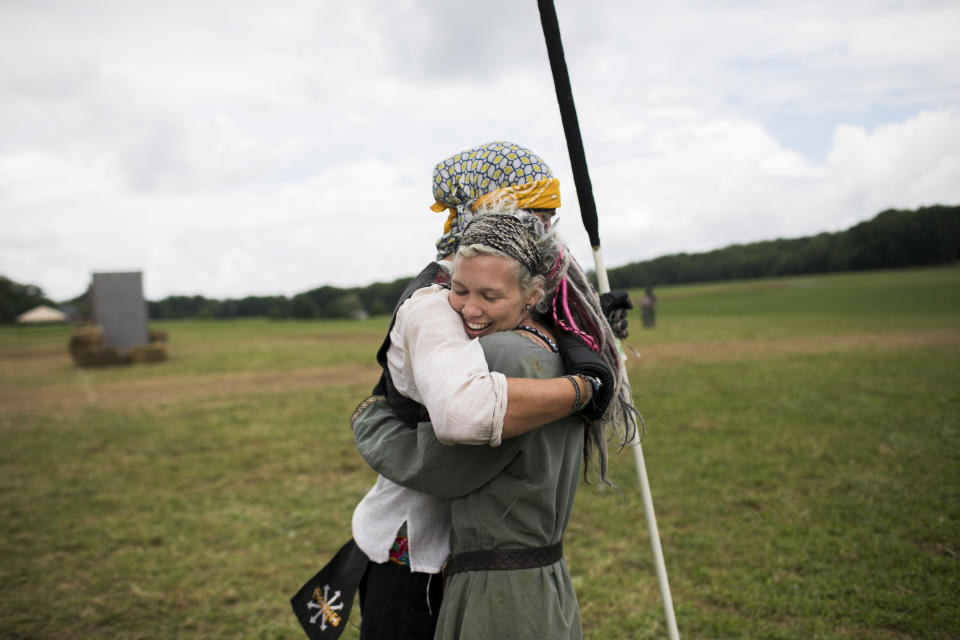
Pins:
x: 432, y: 361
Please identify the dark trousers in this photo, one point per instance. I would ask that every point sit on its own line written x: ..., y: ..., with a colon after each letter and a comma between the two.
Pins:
x: 394, y: 603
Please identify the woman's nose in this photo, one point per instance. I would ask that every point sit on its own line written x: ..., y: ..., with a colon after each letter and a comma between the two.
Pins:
x: 470, y: 310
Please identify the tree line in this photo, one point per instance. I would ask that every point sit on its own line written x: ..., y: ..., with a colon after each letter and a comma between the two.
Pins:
x: 322, y: 302
x: 892, y: 239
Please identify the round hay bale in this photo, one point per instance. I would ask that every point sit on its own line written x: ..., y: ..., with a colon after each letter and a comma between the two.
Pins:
x: 102, y: 357
x: 153, y: 352
x: 87, y: 349
x: 84, y: 338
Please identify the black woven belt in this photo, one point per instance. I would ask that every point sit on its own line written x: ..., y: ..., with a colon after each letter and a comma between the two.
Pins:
x: 503, y: 559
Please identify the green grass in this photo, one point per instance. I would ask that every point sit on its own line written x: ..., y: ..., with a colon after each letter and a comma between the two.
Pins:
x: 799, y: 493
x: 807, y: 305
x: 178, y: 522
x: 800, y: 497
x: 252, y: 344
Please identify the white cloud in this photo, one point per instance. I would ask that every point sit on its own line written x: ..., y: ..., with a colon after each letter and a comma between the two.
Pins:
x: 722, y: 182
x: 900, y: 165
x: 237, y: 148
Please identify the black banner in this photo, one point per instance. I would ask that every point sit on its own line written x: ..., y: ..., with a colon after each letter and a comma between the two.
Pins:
x: 322, y: 605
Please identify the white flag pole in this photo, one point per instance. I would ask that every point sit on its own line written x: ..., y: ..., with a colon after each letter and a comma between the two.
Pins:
x: 588, y: 210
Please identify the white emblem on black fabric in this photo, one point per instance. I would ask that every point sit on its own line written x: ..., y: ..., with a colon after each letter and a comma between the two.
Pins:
x: 326, y: 607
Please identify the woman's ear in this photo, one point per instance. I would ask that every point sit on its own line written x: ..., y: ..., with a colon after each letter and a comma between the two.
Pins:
x: 534, y: 298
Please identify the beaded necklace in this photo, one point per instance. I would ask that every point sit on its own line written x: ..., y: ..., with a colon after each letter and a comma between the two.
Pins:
x: 539, y: 334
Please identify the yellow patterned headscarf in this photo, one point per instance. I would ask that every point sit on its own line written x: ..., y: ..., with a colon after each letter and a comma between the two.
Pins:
x: 489, y: 174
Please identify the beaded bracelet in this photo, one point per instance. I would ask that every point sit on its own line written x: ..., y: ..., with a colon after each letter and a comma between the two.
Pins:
x: 576, y: 387
x: 594, y: 382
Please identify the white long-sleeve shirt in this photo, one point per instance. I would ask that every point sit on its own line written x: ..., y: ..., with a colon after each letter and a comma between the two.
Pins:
x: 431, y: 360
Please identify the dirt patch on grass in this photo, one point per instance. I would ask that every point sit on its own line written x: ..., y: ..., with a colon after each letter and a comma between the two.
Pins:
x: 747, y: 349
x: 34, y: 362
x: 83, y: 391
x: 166, y: 390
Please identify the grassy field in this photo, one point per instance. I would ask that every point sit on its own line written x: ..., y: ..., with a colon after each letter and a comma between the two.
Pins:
x: 803, y: 448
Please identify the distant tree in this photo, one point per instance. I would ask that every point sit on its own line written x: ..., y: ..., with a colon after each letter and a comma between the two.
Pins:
x: 346, y: 306
x: 282, y: 308
x: 174, y: 307
x: 254, y: 306
x: 380, y: 298
x: 304, y: 307
x: 16, y: 298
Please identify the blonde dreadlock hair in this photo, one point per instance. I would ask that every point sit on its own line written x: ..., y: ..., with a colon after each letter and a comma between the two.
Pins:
x: 569, y: 304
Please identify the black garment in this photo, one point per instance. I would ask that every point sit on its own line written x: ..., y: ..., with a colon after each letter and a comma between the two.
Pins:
x: 394, y: 603
x: 393, y: 599
x: 322, y: 605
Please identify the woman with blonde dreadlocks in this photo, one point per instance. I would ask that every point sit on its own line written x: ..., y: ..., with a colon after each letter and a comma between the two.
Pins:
x: 431, y: 367
x: 516, y: 288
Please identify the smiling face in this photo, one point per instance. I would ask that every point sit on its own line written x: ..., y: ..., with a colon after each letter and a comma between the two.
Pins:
x: 485, y: 291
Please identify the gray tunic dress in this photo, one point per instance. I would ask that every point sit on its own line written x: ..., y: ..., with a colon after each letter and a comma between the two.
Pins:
x: 514, y: 496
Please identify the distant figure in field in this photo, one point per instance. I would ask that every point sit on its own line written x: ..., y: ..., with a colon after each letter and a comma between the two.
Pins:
x: 648, y: 308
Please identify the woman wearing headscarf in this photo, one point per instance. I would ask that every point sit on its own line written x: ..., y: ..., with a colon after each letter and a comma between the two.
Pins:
x: 431, y: 368
x: 517, y: 289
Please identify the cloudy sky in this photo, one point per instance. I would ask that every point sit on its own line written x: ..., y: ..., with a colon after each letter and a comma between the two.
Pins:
x: 230, y: 148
